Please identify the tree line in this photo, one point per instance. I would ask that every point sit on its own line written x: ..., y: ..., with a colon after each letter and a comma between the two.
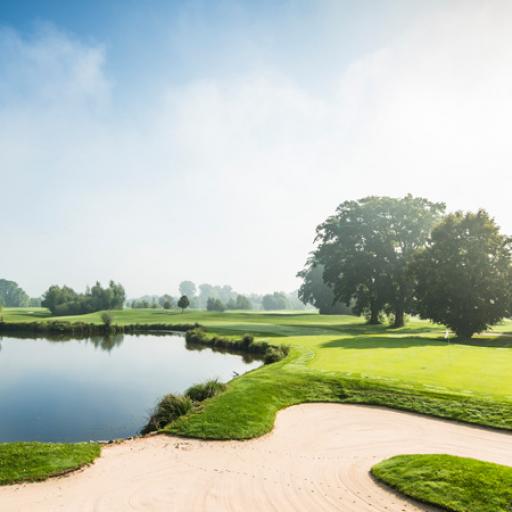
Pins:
x: 66, y: 301
x: 397, y: 256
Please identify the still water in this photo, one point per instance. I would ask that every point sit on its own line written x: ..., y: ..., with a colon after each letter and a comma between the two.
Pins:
x: 97, y: 388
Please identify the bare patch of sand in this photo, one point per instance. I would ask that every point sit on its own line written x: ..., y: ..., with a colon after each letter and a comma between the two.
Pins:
x: 317, y: 458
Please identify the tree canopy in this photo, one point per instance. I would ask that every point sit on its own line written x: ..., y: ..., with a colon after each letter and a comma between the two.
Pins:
x: 215, y: 305
x: 367, y: 247
x: 316, y: 292
x: 188, y: 288
x: 183, y: 303
x: 11, y: 295
x: 464, y: 275
x: 274, y: 301
x: 65, y: 301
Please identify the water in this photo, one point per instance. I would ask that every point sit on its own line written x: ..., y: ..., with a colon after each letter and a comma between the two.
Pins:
x: 97, y: 388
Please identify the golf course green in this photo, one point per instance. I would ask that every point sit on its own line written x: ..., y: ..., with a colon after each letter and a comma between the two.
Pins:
x: 337, y: 359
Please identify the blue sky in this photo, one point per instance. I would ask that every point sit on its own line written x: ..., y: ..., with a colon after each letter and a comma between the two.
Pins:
x: 152, y: 141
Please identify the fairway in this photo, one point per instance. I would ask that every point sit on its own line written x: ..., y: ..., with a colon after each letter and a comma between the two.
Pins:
x: 416, y: 356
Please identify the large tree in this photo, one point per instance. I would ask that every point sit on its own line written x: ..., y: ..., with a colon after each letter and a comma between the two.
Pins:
x: 11, y: 295
x: 316, y: 292
x: 463, y: 277
x: 367, y: 247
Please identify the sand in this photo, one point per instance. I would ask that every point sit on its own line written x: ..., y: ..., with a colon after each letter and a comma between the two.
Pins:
x: 316, y: 459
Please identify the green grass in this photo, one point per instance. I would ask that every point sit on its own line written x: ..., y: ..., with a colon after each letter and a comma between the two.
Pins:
x: 454, y: 483
x: 28, y: 462
x: 340, y: 359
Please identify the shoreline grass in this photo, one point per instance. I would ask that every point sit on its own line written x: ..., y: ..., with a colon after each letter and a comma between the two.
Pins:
x: 33, y: 461
x: 336, y: 359
x: 456, y: 484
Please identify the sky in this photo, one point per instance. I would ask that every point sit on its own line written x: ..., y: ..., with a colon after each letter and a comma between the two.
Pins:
x: 151, y: 142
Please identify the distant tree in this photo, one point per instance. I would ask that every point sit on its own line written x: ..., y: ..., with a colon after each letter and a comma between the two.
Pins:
x: 35, y: 302
x: 183, y: 303
x: 242, y: 302
x: 11, y: 295
x: 367, y: 247
x: 215, y: 305
x: 188, y: 288
x: 65, y: 301
x: 463, y: 276
x: 166, y: 299
x: 167, y: 304
x: 274, y: 301
x: 314, y: 291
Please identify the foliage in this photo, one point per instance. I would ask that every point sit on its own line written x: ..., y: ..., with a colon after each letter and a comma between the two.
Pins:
x: 11, y: 295
x: 28, y: 462
x: 316, y: 292
x: 168, y: 409
x: 183, y: 303
x: 167, y: 302
x: 106, y: 318
x: 208, y: 389
x: 65, y: 301
x: 188, y: 288
x: 215, y: 305
x: 366, y: 249
x: 240, y: 303
x: 245, y: 344
x: 454, y: 483
x: 274, y: 301
x: 464, y: 276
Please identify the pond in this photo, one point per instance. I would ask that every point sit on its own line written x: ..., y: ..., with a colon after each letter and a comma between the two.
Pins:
x: 98, y: 388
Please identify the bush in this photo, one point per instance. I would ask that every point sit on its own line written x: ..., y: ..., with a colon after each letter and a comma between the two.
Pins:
x: 168, y: 409
x: 208, y: 389
x: 106, y: 318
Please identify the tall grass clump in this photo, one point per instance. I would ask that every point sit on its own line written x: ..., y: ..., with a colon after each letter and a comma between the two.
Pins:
x: 208, y: 389
x: 168, y: 409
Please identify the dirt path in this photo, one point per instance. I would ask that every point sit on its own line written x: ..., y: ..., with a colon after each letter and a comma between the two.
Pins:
x: 317, y: 458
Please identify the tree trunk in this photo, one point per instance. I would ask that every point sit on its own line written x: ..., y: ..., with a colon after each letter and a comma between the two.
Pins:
x: 399, y: 318
x: 374, y: 316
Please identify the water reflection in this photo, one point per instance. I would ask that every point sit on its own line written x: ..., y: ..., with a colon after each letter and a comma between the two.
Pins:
x: 58, y: 388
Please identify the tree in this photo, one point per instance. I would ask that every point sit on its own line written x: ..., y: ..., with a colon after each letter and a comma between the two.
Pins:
x: 367, y: 247
x: 463, y: 276
x: 274, y: 301
x: 188, y: 288
x: 65, y: 301
x: 242, y: 302
x: 183, y: 303
x: 215, y: 305
x: 314, y: 291
x: 12, y: 296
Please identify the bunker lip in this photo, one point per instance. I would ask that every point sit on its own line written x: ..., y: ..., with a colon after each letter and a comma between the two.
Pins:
x: 317, y: 457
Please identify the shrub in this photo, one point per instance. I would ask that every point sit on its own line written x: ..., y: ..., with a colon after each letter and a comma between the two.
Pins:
x: 106, y: 318
x: 168, y: 409
x: 208, y: 389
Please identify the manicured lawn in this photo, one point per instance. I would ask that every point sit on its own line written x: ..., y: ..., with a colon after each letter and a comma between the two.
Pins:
x: 457, y: 484
x: 339, y: 358
x: 22, y: 462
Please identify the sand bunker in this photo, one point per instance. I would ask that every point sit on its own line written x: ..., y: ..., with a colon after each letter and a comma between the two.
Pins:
x: 317, y: 458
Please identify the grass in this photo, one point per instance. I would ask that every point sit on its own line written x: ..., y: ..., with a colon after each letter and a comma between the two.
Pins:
x: 454, y: 483
x: 340, y: 359
x: 29, y: 462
